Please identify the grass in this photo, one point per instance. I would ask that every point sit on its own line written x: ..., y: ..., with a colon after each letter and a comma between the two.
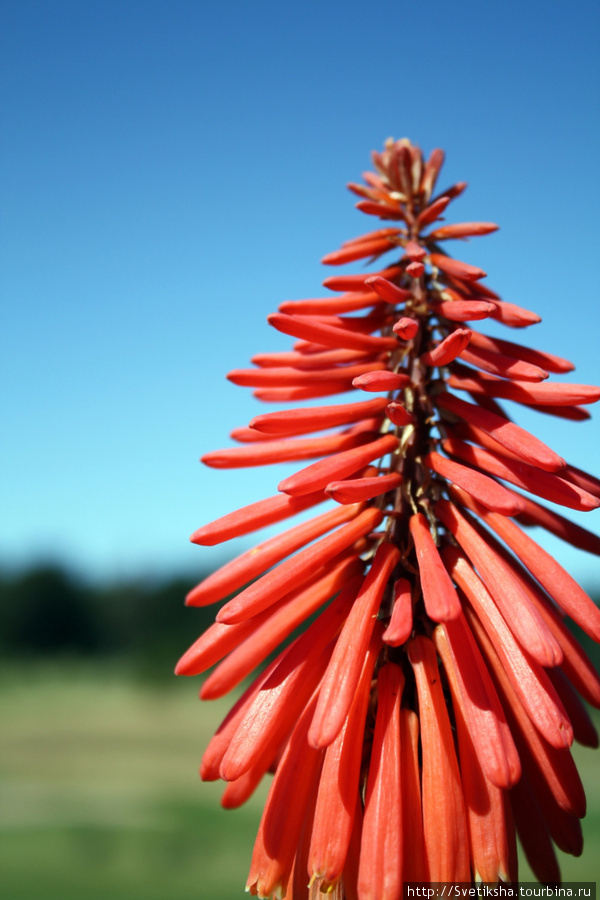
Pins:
x: 101, y: 797
x: 101, y: 800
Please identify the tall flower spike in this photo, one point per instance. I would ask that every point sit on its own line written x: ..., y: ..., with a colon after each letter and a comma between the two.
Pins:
x: 429, y: 708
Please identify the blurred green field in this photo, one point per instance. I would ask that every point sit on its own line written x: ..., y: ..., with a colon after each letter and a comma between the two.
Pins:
x: 101, y: 798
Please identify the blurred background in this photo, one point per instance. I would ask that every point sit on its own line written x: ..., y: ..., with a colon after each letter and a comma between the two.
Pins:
x: 172, y: 171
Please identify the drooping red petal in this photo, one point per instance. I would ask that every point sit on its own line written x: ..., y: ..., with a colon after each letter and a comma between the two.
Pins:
x: 339, y: 782
x: 584, y: 729
x: 372, y: 236
x: 431, y: 170
x: 471, y: 289
x: 256, y: 515
x: 550, y: 574
x: 463, y: 310
x: 540, y: 759
x: 453, y: 191
x: 406, y: 328
x: 284, y: 694
x: 452, y: 346
x: 527, y: 677
x: 533, y: 833
x: 398, y: 414
x: 462, y: 230
x: 316, y: 418
x: 415, y: 867
x: 547, y: 361
x: 433, y: 211
x: 535, y: 514
x: 524, y: 445
x: 576, y: 664
x: 359, y: 250
x: 520, y: 614
x: 217, y: 747
x: 383, y: 210
x: 439, y: 594
x: 456, y: 267
x: 374, y: 321
x: 320, y: 474
x: 311, y: 329
x: 347, y: 302
x: 444, y: 818
x: 244, y: 568
x: 360, y: 489
x: 381, y: 381
x: 297, y: 360
x: 544, y: 484
x: 343, y: 672
x: 415, y: 252
x: 583, y: 480
x: 237, y: 792
x: 415, y: 269
x: 381, y: 851
x: 387, y: 290
x: 298, y: 883
x: 285, y: 450
x: 401, y: 621
x: 547, y: 394
x: 474, y: 694
x: 287, y: 614
x: 291, y: 377
x: 246, y: 435
x: 490, y: 830
x: 502, y: 365
x: 514, y: 316
x: 214, y: 644
x: 486, y: 490
x: 283, y: 817
x: 293, y: 394
x: 358, y: 282
x: 296, y: 570
x: 218, y: 640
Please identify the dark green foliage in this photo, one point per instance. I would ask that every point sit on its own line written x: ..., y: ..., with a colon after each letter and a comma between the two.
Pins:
x: 46, y: 612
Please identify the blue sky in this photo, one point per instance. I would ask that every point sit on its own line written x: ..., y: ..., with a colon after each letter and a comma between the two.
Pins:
x: 173, y: 170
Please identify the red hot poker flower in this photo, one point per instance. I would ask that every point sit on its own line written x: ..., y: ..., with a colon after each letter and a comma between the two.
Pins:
x: 429, y: 707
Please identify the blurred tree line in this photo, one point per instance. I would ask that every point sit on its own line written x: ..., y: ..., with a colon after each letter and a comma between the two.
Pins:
x: 48, y: 612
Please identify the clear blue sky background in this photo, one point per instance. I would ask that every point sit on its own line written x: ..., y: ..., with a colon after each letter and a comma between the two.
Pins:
x: 173, y: 170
